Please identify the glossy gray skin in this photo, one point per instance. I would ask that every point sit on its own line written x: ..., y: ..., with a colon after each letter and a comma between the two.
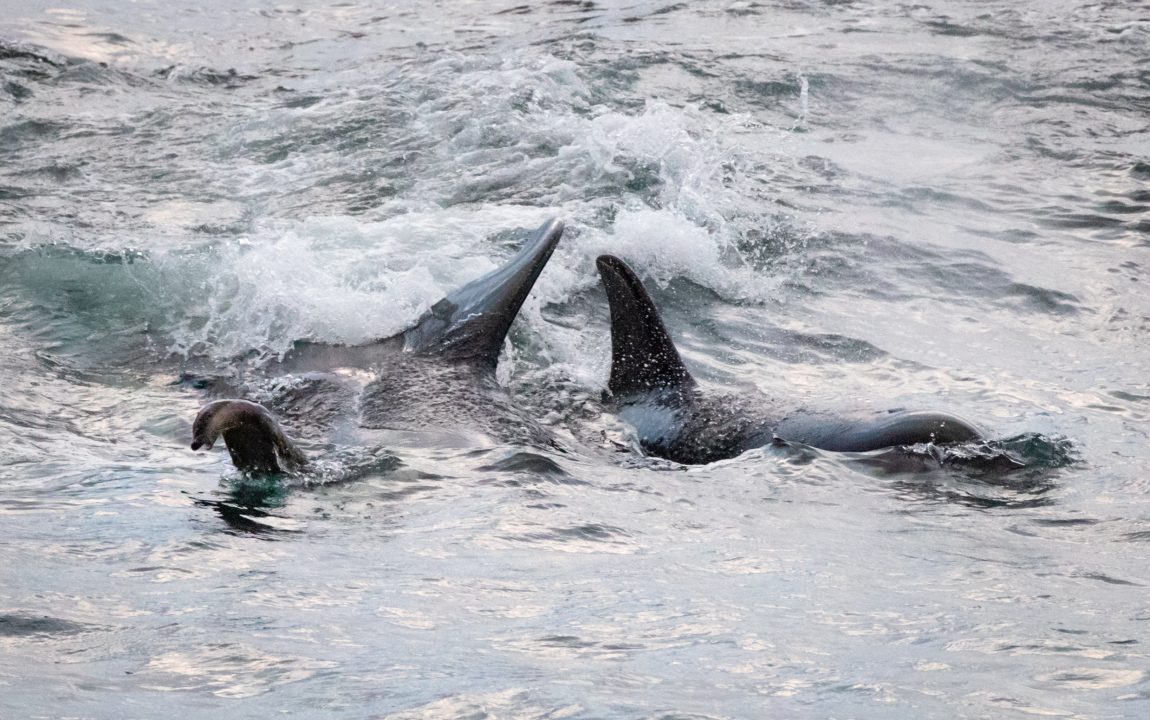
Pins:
x: 652, y: 390
x: 437, y: 376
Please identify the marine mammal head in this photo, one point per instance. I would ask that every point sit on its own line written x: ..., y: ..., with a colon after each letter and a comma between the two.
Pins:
x: 643, y: 357
x: 253, y: 437
x: 219, y: 416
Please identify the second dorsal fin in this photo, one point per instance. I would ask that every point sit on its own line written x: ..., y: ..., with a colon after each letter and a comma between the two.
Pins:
x: 643, y: 357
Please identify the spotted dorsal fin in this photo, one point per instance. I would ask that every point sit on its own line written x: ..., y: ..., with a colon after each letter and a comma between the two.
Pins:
x: 643, y: 357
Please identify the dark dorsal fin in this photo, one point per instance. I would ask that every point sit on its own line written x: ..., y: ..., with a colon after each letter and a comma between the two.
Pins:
x: 469, y: 325
x: 643, y: 357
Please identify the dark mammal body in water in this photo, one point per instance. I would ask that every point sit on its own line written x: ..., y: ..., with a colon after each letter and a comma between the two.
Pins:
x: 438, y: 375
x: 652, y: 389
x: 254, y: 438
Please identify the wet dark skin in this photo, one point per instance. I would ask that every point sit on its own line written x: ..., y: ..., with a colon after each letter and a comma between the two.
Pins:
x: 652, y: 389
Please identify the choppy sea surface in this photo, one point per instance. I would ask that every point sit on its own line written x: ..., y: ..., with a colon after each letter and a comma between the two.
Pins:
x: 850, y: 204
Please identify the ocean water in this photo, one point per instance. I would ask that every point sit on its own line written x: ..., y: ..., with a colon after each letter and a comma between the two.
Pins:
x: 851, y: 204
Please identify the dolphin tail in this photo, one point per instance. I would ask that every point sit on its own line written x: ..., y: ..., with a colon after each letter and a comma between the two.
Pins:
x: 470, y: 324
x: 643, y: 357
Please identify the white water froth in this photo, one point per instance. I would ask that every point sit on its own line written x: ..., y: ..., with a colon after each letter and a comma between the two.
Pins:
x: 664, y: 187
x: 335, y: 279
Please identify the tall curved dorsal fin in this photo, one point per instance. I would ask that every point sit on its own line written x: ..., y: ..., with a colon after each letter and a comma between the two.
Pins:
x: 469, y: 325
x: 643, y: 357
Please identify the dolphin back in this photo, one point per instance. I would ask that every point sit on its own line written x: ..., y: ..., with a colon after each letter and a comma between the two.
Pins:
x: 470, y: 324
x: 643, y: 356
x: 881, y: 430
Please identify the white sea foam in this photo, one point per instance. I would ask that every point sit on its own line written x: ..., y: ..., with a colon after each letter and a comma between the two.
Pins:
x: 495, y: 144
x: 333, y: 279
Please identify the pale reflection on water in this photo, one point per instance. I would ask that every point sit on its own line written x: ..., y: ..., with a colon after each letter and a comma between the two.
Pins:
x: 849, y: 206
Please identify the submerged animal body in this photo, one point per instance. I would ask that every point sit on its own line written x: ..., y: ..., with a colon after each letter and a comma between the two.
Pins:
x: 436, y: 376
x: 652, y: 390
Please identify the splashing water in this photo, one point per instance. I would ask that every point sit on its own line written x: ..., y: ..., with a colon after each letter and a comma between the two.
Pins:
x: 842, y: 205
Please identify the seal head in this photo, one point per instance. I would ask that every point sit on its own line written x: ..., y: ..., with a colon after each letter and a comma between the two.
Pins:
x: 252, y: 435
